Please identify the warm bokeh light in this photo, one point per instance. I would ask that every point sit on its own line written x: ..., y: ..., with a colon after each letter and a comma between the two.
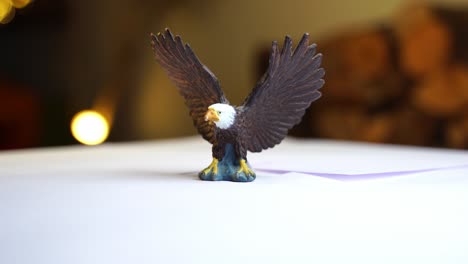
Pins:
x: 5, y: 10
x: 20, y: 3
x: 89, y: 127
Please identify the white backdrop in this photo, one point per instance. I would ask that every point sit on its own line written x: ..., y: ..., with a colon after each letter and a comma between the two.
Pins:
x: 142, y: 203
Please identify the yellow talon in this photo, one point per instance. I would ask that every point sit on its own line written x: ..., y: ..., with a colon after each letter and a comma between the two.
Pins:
x: 213, y: 167
x: 245, y: 168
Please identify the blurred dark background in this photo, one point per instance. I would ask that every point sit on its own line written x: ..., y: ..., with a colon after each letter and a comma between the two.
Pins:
x: 397, y: 72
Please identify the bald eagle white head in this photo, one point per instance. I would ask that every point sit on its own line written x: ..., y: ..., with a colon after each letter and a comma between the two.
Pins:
x: 223, y: 115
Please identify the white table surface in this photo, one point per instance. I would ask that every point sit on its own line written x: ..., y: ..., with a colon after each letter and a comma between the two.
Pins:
x: 143, y: 203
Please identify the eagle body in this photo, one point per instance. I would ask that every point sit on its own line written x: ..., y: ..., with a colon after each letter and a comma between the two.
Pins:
x: 275, y: 105
x: 225, y: 137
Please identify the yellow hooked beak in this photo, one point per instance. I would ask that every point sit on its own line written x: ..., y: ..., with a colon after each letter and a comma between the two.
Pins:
x: 211, y: 115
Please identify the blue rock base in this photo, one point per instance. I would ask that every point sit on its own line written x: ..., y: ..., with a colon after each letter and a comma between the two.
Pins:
x: 228, y: 169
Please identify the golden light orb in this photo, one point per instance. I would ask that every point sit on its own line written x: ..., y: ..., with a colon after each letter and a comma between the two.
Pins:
x: 5, y: 11
x: 89, y: 127
x: 20, y: 3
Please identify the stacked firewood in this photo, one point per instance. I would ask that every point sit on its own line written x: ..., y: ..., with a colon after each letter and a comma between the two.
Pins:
x: 404, y: 83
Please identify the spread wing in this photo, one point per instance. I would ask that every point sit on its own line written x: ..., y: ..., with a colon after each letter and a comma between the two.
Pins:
x: 199, y: 87
x: 281, y: 97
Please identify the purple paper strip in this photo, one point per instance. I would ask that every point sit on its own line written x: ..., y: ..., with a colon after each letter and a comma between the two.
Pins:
x: 364, y: 176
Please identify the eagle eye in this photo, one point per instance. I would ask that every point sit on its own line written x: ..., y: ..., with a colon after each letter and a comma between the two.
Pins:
x: 219, y: 112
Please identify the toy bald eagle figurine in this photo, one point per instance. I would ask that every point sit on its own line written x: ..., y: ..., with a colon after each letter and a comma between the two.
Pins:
x: 275, y: 105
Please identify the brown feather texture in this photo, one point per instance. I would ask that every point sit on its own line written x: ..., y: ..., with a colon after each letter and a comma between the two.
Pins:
x: 199, y: 87
x: 275, y: 105
x: 279, y: 100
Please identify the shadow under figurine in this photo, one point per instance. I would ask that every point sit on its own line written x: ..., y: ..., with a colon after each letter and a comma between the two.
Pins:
x: 275, y: 105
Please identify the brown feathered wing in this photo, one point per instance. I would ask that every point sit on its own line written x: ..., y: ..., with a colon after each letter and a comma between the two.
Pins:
x: 281, y: 97
x: 199, y: 87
